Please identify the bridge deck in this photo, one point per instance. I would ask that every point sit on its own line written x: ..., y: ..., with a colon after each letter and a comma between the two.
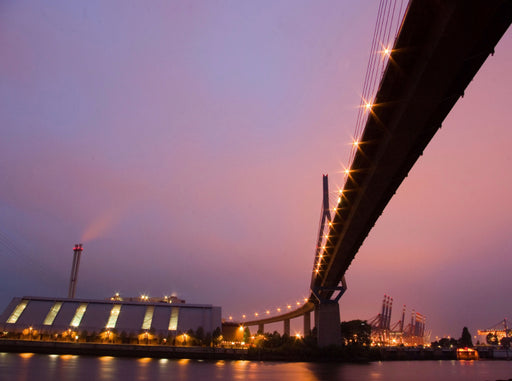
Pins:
x: 307, y: 307
x: 440, y: 47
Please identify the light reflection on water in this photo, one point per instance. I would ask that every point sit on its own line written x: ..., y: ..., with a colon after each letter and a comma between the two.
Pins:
x: 28, y: 367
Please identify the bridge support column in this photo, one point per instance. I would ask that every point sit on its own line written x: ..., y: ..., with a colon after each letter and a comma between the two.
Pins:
x: 327, y: 315
x: 307, y: 324
x: 327, y: 321
x: 261, y: 328
x: 286, y: 327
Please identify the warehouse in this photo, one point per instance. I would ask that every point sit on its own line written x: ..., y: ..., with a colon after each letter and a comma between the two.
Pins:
x: 132, y: 317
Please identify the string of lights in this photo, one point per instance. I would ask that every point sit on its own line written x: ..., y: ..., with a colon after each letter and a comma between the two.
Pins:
x: 388, y: 20
x: 380, y: 52
x: 267, y: 312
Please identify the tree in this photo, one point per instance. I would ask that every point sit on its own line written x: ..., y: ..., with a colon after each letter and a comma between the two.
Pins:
x: 94, y: 336
x: 355, y: 333
x: 465, y: 339
x: 191, y: 337
x: 491, y: 339
x: 273, y: 340
x: 505, y: 342
x: 200, y: 335
x: 448, y: 343
x: 247, y: 335
x: 124, y: 337
x: 217, y: 336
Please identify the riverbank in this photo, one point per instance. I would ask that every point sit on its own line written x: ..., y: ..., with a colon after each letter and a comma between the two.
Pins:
x: 121, y: 350
x: 290, y: 354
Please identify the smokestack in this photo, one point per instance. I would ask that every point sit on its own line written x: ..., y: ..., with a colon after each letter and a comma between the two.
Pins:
x: 77, y: 252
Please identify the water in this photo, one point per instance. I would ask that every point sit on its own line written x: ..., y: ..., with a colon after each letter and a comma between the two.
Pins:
x: 28, y: 367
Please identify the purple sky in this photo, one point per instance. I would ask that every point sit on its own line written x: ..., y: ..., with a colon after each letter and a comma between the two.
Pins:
x: 184, y: 144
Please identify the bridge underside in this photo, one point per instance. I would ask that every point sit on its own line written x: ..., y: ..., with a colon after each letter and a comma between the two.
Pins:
x: 440, y: 47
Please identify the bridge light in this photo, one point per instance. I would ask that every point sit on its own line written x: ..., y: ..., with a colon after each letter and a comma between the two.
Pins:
x: 288, y: 306
x: 256, y: 314
x: 305, y: 300
x: 268, y: 312
x: 368, y: 106
x: 334, y: 209
x: 278, y: 309
x: 243, y: 316
x: 347, y: 171
x: 298, y: 303
x: 355, y: 143
x: 231, y: 318
x: 339, y: 200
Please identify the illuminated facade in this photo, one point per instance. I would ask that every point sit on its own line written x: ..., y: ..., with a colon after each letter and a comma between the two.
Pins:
x: 53, y: 315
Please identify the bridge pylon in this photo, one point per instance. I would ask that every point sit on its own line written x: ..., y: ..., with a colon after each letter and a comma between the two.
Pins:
x: 327, y: 315
x: 327, y: 311
x: 327, y: 322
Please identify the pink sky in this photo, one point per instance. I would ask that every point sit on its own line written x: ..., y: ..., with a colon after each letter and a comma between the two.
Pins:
x: 185, y: 143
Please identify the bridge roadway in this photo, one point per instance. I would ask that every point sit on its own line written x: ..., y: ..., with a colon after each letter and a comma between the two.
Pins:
x: 304, y: 310
x: 440, y: 47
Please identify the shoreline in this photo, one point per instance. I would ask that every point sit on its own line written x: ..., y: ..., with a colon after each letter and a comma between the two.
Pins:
x: 208, y: 353
x: 121, y: 350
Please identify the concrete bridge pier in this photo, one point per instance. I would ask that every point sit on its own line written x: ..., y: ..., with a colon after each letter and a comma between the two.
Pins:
x: 286, y: 327
x: 307, y: 324
x: 261, y: 328
x: 327, y: 321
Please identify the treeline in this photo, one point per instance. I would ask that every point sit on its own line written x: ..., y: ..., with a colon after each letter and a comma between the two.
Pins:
x: 465, y: 341
x: 355, y: 346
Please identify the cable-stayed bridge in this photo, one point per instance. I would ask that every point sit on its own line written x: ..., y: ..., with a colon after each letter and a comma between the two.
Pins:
x: 438, y: 49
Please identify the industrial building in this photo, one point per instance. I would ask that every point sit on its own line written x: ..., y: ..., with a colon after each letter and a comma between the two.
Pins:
x: 55, y: 316
x: 116, y: 319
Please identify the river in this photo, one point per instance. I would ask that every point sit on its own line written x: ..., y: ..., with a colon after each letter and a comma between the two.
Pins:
x: 29, y: 367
